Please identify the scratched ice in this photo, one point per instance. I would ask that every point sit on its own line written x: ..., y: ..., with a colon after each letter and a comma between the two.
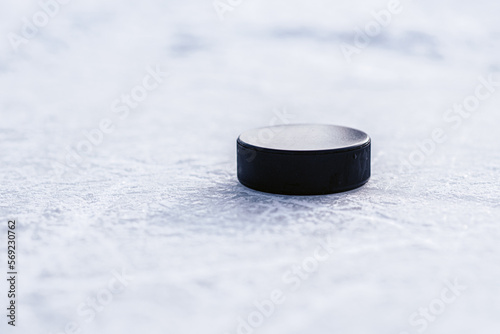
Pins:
x: 158, y: 198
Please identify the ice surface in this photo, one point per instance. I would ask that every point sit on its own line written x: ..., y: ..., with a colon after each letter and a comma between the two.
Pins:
x: 159, y: 197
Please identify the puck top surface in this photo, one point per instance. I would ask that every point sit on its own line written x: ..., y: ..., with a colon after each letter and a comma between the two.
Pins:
x: 304, y: 138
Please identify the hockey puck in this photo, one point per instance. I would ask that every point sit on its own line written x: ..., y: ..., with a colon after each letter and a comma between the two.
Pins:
x: 303, y: 159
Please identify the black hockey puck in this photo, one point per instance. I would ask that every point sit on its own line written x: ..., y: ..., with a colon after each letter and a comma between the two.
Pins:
x: 304, y: 159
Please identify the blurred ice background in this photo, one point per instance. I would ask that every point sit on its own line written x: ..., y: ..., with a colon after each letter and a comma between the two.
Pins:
x: 159, y: 197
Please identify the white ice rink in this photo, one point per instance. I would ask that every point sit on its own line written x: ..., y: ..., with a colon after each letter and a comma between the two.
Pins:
x: 144, y: 228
